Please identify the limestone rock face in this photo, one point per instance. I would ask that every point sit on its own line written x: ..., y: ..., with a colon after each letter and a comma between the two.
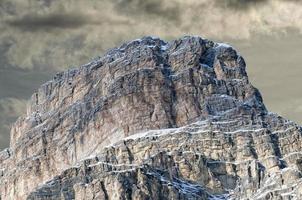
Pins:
x: 153, y: 120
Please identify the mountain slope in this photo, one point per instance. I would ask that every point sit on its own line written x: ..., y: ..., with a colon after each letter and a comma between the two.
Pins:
x: 153, y: 120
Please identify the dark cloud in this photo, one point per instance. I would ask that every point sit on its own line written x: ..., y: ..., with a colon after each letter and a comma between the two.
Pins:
x: 34, y: 22
x: 19, y: 83
x: 64, y: 33
x: 7, y: 7
x: 46, y: 3
x: 147, y: 8
x: 10, y: 109
x: 245, y: 4
x: 240, y: 4
x: 16, y: 86
x: 4, y: 48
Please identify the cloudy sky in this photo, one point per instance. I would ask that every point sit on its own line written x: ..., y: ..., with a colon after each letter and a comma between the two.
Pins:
x: 41, y: 37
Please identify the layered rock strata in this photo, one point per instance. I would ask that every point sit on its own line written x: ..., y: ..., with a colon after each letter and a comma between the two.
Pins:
x: 153, y: 120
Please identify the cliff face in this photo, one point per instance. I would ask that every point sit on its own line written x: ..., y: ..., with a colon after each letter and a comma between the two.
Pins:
x: 153, y: 120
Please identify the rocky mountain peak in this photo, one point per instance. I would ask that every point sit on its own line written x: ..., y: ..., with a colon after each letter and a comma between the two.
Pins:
x: 153, y: 120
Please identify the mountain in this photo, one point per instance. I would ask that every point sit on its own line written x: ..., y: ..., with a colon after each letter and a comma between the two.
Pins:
x: 153, y: 120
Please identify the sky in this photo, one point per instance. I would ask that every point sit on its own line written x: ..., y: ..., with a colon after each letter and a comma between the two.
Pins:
x: 39, y: 38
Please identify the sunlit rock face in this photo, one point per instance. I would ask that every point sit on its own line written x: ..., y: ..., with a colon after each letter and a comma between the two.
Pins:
x: 153, y: 120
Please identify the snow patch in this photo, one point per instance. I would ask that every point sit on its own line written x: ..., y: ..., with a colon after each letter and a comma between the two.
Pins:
x: 223, y: 45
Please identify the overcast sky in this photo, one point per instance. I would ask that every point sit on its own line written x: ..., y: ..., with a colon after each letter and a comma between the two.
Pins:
x: 41, y: 37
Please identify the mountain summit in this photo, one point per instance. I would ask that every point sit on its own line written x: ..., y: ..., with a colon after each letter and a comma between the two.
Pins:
x: 153, y: 120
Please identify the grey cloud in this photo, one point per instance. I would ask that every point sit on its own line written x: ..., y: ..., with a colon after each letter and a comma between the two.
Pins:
x: 47, y: 26
x: 240, y: 4
x: 34, y: 22
x: 4, y: 48
x: 46, y: 3
x: 39, y: 37
x: 16, y: 86
x: 155, y: 8
x: 10, y: 109
x: 20, y: 84
x: 7, y: 7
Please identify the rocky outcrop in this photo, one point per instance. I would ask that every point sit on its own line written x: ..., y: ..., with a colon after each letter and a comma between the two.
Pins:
x: 153, y: 120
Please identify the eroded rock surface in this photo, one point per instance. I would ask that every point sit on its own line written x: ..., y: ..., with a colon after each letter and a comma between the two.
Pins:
x: 153, y: 120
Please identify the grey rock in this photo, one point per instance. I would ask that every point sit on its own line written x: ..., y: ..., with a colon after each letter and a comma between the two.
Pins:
x: 153, y: 120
